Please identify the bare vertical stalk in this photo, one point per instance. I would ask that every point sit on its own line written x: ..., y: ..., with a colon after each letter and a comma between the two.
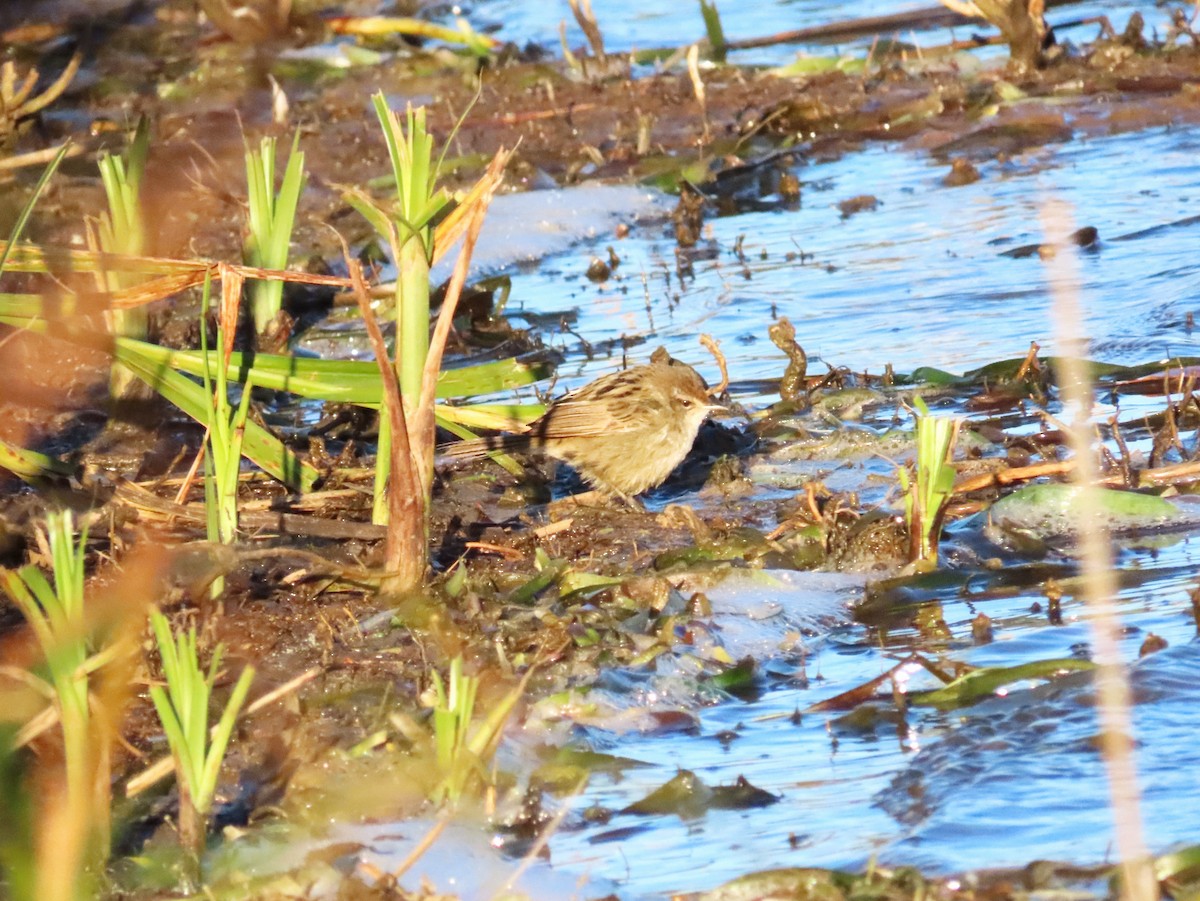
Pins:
x: 404, y: 553
x: 693, y: 64
x: 408, y: 411
x: 1113, y: 697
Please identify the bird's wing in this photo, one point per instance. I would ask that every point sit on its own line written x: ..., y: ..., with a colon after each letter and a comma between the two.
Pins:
x: 574, y: 419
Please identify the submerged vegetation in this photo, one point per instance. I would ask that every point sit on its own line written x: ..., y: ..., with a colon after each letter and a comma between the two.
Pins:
x: 268, y: 530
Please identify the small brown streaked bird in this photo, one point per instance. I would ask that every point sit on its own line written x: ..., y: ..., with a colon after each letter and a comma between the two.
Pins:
x: 624, y: 433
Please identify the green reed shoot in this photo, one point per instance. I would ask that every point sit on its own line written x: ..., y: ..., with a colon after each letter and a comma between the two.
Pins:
x: 271, y: 218
x: 408, y: 228
x: 26, y: 464
x: 714, y: 29
x: 462, y: 747
x: 259, y: 445
x: 55, y: 612
x: 122, y: 230
x: 404, y: 462
x: 404, y: 467
x: 183, y: 711
x: 225, y: 433
x: 926, y: 495
x: 451, y: 725
x: 226, y: 428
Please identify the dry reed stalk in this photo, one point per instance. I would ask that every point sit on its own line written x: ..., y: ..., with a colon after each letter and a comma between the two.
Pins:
x: 412, y: 420
x: 1113, y: 696
x: 404, y: 553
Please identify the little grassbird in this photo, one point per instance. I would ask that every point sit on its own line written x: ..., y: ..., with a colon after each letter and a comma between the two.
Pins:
x: 624, y: 433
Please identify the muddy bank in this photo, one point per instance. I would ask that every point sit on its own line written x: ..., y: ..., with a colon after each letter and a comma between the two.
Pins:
x: 210, y: 97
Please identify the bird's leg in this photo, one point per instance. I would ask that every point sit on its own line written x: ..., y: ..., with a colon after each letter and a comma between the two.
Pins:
x: 630, y: 502
x: 607, y: 499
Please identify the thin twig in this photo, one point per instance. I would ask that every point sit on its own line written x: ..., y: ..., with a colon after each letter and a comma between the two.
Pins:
x: 1012, y: 475
x: 508, y: 553
x: 715, y: 349
x: 424, y: 844
x: 441, y: 332
x: 185, y: 487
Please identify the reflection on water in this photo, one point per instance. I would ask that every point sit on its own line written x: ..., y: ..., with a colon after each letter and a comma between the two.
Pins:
x: 919, y: 281
x: 1003, y: 782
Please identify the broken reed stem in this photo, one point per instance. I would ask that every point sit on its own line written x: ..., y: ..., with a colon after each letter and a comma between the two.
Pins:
x: 441, y: 331
x: 1030, y: 363
x: 404, y: 552
x: 693, y: 65
x: 231, y: 300
x: 1113, y: 696
x: 582, y: 10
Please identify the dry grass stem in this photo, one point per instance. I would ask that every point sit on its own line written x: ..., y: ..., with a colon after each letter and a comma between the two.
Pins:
x: 174, y: 276
x: 480, y: 199
x: 37, y: 158
x: 424, y: 844
x: 1113, y: 696
x: 538, y: 846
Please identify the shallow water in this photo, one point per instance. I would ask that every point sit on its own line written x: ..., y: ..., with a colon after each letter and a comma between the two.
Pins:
x: 919, y: 281
x: 642, y: 24
x: 1002, y: 782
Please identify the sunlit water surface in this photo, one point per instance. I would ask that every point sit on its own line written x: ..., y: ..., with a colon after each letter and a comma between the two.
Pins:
x: 643, y: 24
x: 918, y: 281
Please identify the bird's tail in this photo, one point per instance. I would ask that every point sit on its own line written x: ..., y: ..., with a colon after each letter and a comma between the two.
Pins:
x: 478, y: 448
